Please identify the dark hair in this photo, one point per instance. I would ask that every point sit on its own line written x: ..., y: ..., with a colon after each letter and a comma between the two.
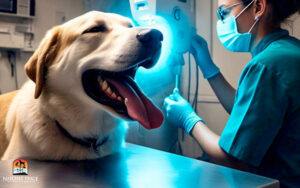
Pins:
x: 281, y: 9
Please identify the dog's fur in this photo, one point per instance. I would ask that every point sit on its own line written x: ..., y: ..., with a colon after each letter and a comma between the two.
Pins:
x: 55, y: 93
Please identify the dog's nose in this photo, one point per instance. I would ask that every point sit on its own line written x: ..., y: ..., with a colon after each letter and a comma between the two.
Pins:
x: 149, y: 35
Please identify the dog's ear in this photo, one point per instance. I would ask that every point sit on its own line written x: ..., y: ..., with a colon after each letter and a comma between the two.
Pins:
x: 35, y: 68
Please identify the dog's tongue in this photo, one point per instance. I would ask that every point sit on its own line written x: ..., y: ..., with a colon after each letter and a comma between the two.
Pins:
x: 139, y: 107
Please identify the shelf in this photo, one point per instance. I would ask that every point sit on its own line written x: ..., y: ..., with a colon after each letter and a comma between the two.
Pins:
x: 24, y: 50
x: 16, y: 15
x: 10, y: 48
x: 27, y: 50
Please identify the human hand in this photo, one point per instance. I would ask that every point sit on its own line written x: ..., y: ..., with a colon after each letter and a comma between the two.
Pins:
x: 179, y: 112
x: 199, y: 49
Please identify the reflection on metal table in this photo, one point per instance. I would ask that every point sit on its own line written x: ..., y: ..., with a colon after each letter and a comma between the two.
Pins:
x: 135, y: 166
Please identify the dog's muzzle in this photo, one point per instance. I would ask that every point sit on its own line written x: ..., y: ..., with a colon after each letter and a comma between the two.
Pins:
x: 149, y: 36
x: 119, y: 91
x: 150, y: 39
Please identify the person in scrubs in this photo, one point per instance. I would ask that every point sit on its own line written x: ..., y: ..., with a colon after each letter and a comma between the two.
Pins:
x: 262, y: 134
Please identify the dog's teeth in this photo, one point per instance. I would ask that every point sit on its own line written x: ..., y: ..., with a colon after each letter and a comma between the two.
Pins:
x: 100, y: 81
x: 119, y: 98
x: 113, y: 95
x: 108, y: 90
x: 104, y: 85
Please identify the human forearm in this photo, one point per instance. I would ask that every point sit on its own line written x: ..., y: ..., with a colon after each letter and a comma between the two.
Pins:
x: 180, y: 113
x: 211, y: 72
x: 223, y: 90
x: 208, y: 141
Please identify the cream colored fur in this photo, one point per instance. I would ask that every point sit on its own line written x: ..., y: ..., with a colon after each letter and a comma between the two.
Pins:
x: 55, y: 92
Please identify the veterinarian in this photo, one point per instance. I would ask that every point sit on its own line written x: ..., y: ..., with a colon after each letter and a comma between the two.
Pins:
x: 262, y: 134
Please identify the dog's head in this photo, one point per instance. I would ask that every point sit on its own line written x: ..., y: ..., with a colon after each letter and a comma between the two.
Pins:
x: 92, y: 59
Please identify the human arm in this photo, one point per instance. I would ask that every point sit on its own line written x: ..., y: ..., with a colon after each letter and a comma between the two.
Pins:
x: 223, y: 90
x: 180, y: 113
x: 208, y: 141
x: 254, y: 122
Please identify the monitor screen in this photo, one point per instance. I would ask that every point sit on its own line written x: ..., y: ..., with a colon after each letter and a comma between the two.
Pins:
x: 7, y: 6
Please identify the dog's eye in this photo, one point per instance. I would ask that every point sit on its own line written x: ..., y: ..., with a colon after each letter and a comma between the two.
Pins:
x: 96, y: 29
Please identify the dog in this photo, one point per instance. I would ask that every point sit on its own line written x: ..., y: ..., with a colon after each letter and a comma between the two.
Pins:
x: 81, y: 83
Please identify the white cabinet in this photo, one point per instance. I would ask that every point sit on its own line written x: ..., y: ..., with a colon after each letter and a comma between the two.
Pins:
x: 16, y: 32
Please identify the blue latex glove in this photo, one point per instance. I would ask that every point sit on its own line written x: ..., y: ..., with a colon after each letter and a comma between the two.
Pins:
x: 199, y: 49
x: 179, y: 112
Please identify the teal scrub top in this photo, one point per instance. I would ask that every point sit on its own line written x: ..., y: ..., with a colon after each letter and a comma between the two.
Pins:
x: 263, y: 129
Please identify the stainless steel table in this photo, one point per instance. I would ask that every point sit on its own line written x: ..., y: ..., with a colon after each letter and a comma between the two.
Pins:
x: 135, y: 166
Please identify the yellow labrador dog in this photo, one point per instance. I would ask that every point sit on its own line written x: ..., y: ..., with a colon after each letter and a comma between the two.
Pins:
x: 81, y: 76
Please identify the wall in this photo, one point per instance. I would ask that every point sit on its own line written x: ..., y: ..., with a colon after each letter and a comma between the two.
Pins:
x: 48, y: 14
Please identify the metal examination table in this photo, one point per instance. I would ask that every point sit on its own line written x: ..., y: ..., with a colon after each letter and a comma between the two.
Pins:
x: 136, y: 166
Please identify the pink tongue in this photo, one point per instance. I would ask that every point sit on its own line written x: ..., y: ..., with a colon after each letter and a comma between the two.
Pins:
x: 139, y: 107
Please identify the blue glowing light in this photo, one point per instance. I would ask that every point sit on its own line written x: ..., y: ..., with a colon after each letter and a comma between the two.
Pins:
x: 159, y: 23
x: 153, y: 80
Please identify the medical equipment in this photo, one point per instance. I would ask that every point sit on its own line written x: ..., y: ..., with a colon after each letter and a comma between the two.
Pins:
x: 179, y: 15
x: 175, y: 19
x: 179, y: 62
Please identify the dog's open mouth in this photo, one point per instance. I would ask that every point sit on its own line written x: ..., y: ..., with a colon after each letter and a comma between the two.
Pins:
x: 119, y: 91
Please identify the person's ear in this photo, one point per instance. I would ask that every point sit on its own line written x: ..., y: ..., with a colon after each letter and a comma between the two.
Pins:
x: 35, y: 68
x: 260, y: 8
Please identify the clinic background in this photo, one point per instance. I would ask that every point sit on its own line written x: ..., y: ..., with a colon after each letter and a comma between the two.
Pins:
x: 167, y: 138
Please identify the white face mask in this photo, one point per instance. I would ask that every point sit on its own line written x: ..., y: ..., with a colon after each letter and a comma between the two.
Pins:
x: 229, y: 36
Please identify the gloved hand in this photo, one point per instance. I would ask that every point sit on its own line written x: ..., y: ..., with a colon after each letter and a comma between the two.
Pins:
x: 179, y: 112
x: 199, y: 49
